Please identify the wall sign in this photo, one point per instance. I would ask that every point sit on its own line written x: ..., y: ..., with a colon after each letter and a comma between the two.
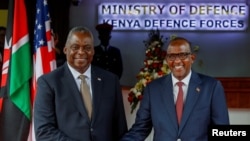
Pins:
x: 175, y: 16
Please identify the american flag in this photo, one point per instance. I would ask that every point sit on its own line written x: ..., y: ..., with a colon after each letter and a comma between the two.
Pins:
x: 44, y: 58
x: 44, y: 53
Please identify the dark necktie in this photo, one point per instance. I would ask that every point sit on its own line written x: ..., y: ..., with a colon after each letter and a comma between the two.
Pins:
x: 179, y: 102
x: 85, y: 91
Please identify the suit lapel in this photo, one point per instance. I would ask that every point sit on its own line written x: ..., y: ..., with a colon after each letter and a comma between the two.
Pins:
x: 97, y: 84
x: 70, y: 84
x: 191, y: 99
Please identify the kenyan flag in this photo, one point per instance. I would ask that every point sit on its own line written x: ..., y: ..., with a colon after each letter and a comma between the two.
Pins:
x: 15, y: 105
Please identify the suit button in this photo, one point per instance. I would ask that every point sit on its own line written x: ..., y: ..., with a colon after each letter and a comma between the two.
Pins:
x: 91, y: 129
x: 178, y: 139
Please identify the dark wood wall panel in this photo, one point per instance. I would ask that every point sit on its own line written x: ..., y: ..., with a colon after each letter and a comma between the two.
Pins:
x: 237, y: 91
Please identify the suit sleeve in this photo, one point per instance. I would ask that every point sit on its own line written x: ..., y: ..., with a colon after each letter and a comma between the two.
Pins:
x: 219, y: 105
x: 143, y: 122
x: 44, y: 114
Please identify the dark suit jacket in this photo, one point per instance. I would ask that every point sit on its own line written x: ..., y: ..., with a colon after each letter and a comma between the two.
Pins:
x: 60, y: 115
x: 205, y: 105
x: 110, y: 60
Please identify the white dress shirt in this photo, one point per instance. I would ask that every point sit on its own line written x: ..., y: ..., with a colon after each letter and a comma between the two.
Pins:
x: 184, y: 86
x: 76, y: 75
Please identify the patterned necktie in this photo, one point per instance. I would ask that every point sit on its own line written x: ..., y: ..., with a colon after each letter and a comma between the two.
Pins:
x: 85, y: 91
x: 179, y: 102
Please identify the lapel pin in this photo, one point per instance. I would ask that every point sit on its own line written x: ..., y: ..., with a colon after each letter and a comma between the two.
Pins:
x: 99, y: 79
x: 198, y: 89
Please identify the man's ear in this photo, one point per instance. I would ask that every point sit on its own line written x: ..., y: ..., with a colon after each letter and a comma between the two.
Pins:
x: 65, y: 50
x: 193, y: 57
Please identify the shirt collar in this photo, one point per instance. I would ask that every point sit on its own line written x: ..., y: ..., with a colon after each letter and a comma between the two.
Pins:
x: 76, y: 73
x: 185, y: 80
x: 103, y: 47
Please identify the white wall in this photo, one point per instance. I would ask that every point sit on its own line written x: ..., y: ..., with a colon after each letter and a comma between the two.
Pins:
x: 239, y: 116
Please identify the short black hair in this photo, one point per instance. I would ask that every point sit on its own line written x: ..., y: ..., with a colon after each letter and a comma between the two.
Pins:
x: 183, y: 39
x: 180, y: 38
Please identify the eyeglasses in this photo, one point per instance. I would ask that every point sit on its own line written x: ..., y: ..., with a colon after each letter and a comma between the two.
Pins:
x: 181, y: 56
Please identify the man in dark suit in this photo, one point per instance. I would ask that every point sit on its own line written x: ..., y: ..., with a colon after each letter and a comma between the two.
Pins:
x: 106, y: 56
x: 203, y: 99
x: 59, y: 111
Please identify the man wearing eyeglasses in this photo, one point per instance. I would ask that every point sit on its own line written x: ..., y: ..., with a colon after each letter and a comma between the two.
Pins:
x: 174, y: 118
